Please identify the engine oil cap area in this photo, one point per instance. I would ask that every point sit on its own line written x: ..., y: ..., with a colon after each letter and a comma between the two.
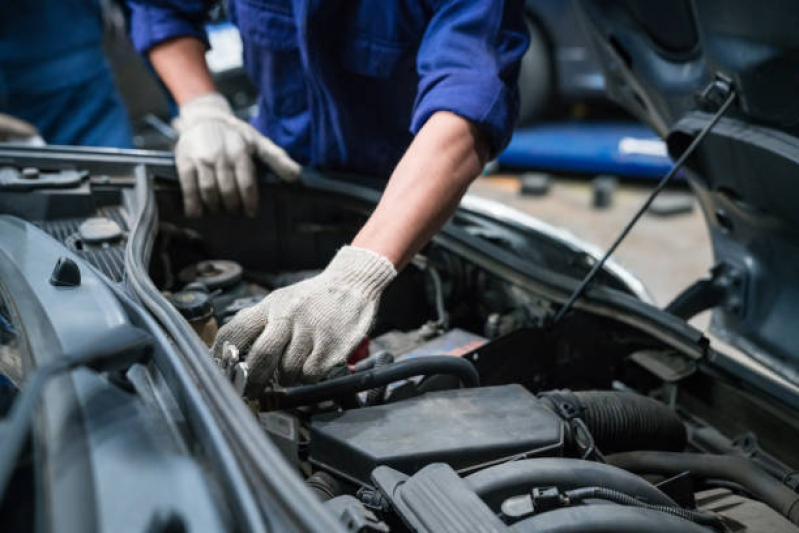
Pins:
x: 193, y: 304
x: 99, y: 230
x: 465, y: 428
x: 213, y: 273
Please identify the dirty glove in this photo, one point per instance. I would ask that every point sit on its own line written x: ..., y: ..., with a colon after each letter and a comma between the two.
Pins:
x: 305, y: 329
x: 214, y: 157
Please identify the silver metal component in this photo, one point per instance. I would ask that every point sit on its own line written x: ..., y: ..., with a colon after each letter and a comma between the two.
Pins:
x: 230, y: 355
x: 234, y: 370
x: 440, y: 325
x: 239, y: 377
x: 29, y: 173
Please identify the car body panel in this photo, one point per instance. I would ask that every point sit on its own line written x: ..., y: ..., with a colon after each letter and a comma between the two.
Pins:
x: 744, y: 173
x: 91, y: 434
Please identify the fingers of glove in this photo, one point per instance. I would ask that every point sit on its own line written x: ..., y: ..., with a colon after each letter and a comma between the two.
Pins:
x: 241, y: 331
x: 324, y: 358
x: 296, y: 353
x: 247, y: 186
x: 274, y: 156
x: 228, y: 189
x: 187, y: 174
x: 209, y: 191
x: 267, y: 351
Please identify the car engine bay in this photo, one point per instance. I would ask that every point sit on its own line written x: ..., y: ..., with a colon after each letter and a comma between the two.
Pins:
x: 465, y: 411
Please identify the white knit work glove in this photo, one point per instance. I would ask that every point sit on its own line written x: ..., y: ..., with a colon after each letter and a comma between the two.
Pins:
x: 214, y: 157
x: 302, y: 331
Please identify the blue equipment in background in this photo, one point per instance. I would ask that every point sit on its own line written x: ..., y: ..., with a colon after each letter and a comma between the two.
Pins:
x: 619, y: 148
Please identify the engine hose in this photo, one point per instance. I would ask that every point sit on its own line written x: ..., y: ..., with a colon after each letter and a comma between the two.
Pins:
x: 621, y: 421
x: 331, y: 389
x: 602, y: 493
x: 375, y: 396
x: 325, y: 486
x: 726, y: 467
x: 606, y: 519
x: 496, y: 484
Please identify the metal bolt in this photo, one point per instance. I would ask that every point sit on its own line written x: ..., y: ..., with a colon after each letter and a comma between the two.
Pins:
x: 29, y: 173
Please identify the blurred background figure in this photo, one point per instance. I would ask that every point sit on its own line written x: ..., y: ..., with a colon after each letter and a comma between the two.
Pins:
x: 54, y: 74
x: 16, y: 131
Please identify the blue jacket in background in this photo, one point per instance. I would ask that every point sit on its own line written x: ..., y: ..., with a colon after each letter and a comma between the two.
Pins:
x: 346, y: 83
x: 54, y: 75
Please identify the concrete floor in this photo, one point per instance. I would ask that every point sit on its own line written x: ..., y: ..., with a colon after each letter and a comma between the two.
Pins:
x: 666, y: 253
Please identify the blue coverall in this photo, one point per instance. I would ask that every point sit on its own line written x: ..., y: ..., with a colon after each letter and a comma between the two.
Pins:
x: 345, y: 84
x: 54, y: 75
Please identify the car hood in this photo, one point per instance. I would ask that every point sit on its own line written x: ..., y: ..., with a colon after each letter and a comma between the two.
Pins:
x: 657, y: 58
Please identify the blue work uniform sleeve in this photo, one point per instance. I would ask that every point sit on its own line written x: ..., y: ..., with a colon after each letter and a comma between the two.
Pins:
x: 155, y: 21
x: 468, y: 63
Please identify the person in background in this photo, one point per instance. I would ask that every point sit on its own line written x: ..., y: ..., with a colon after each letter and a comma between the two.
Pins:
x: 53, y: 73
x: 420, y: 92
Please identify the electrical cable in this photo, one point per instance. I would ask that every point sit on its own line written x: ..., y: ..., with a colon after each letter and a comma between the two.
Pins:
x: 603, y: 493
x: 739, y: 470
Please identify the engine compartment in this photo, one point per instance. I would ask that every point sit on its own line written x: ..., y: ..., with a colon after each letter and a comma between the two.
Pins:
x: 465, y: 411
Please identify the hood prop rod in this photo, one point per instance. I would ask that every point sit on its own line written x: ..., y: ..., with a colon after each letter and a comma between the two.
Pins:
x: 719, y: 85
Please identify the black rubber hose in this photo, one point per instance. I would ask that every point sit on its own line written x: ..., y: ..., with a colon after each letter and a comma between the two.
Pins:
x: 375, y: 396
x: 615, y: 496
x: 606, y: 519
x: 736, y: 469
x: 325, y: 486
x: 622, y: 421
x: 496, y: 484
x: 370, y: 379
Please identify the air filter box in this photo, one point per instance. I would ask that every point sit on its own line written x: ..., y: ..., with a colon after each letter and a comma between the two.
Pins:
x: 465, y: 428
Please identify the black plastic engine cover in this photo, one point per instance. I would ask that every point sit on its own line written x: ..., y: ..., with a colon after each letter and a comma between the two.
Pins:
x: 465, y: 428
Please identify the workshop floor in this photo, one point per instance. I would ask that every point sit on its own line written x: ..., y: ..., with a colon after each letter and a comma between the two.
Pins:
x: 666, y: 253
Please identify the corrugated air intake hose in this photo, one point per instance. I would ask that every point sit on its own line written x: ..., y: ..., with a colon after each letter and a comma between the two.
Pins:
x: 621, y: 421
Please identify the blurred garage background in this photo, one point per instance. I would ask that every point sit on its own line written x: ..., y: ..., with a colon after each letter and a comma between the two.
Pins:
x: 576, y: 161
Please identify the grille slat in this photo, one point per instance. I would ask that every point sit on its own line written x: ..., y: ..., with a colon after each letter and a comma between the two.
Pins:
x: 109, y: 260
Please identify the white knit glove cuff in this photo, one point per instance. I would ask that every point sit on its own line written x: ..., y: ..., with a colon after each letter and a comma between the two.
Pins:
x: 362, y: 269
x: 207, y: 106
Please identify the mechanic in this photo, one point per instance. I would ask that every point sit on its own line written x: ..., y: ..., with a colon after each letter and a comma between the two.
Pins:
x: 421, y: 91
x: 54, y: 75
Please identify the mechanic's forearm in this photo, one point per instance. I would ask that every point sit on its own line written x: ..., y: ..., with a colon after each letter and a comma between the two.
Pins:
x: 181, y: 65
x: 447, y: 154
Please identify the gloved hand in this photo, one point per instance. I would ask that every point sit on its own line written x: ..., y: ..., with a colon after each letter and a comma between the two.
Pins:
x: 305, y: 329
x: 214, y: 157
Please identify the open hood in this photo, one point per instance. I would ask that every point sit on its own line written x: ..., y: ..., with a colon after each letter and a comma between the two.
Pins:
x: 658, y: 58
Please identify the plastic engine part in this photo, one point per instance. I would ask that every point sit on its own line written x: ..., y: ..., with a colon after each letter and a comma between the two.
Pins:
x: 436, y: 500
x: 464, y: 428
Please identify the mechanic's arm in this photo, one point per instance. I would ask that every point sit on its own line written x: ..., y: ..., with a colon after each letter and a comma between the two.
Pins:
x: 302, y: 330
x: 447, y: 154
x: 214, y: 151
x: 468, y: 64
x: 180, y: 63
